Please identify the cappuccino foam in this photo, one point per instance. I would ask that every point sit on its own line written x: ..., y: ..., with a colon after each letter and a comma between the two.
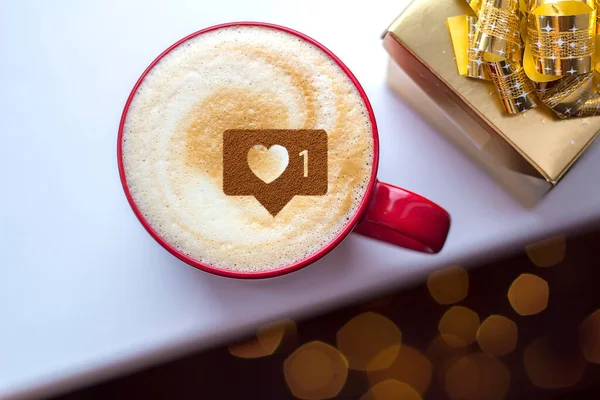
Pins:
x: 242, y: 77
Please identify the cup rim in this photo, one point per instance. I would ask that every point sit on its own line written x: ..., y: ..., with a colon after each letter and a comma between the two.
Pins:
x: 287, y: 268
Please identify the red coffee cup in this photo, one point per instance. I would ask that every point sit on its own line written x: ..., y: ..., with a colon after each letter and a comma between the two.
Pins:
x: 386, y: 212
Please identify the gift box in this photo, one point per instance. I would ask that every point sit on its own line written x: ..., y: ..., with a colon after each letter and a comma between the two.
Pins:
x: 528, y: 152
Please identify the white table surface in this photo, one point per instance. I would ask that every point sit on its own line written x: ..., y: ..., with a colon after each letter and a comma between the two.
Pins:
x: 85, y: 293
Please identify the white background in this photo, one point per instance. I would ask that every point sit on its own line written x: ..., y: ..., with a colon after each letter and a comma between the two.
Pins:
x: 85, y: 293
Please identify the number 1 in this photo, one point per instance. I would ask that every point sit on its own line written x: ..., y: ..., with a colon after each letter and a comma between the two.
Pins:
x: 304, y: 154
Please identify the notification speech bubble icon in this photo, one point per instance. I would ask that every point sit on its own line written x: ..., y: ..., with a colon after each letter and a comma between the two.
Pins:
x: 305, y: 174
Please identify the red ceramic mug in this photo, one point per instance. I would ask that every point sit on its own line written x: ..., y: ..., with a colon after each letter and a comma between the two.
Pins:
x: 386, y: 212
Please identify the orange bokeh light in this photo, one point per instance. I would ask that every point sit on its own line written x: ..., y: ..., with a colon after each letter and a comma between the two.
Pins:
x: 529, y: 294
x: 315, y: 370
x: 458, y: 326
x: 589, y: 337
x: 549, y: 368
x: 391, y: 389
x: 267, y: 340
x: 547, y: 252
x: 449, y: 285
x: 410, y: 367
x: 477, y: 376
x: 497, y: 335
x: 369, y: 341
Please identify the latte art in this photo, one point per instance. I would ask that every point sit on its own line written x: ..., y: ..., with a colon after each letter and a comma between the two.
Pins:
x: 243, y: 77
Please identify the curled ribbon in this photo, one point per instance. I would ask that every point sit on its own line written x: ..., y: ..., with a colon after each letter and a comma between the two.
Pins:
x: 534, y: 51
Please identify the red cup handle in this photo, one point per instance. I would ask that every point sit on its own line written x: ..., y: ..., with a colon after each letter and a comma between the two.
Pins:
x: 404, y: 219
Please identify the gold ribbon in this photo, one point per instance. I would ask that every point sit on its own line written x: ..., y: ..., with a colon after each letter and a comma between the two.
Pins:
x: 476, y: 64
x: 535, y: 51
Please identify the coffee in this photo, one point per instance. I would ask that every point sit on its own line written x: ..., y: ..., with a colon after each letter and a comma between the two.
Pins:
x: 243, y: 77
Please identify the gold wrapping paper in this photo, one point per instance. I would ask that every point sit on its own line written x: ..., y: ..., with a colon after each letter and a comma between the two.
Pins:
x: 416, y: 40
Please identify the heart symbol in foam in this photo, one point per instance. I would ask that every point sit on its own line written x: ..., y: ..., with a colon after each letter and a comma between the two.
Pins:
x: 268, y: 164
